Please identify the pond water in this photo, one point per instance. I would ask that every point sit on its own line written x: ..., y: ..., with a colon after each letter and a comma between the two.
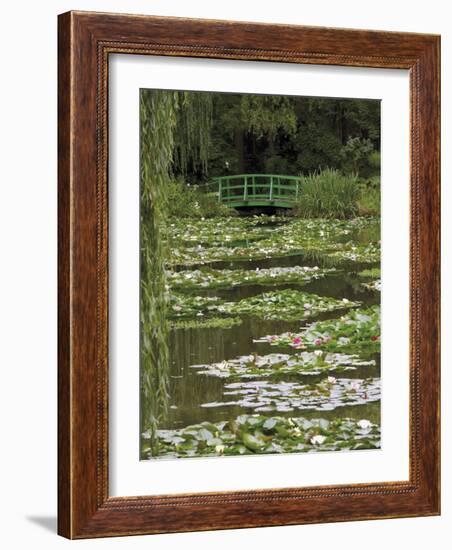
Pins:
x: 197, y: 397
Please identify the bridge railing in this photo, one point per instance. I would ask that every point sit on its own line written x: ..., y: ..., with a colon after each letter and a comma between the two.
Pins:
x: 246, y: 189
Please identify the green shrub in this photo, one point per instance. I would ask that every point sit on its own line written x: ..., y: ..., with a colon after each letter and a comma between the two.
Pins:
x: 189, y: 201
x: 370, y: 198
x: 355, y: 154
x: 328, y: 194
x: 374, y: 161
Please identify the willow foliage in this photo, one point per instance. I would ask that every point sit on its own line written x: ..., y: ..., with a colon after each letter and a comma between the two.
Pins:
x: 173, y: 124
x: 192, y: 132
x: 158, y: 119
x: 265, y: 115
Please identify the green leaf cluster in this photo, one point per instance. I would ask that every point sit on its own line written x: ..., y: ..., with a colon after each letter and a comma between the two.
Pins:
x: 287, y: 305
x: 356, y: 332
x: 275, y: 364
x: 251, y: 434
x: 208, y: 278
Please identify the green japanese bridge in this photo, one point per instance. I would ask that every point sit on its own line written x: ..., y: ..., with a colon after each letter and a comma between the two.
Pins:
x: 251, y: 190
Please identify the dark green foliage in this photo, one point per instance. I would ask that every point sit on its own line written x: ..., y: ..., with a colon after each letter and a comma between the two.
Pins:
x: 328, y: 194
x: 287, y: 135
x: 356, y: 154
x: 265, y: 115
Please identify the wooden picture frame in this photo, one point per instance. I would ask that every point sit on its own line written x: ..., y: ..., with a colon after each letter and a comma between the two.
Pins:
x: 86, y: 40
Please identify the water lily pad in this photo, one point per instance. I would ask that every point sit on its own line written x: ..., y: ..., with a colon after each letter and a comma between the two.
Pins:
x: 357, y: 331
x: 374, y: 285
x: 287, y: 305
x: 206, y: 322
x: 213, y: 240
x: 184, y: 306
x: 328, y: 394
x: 275, y: 387
x: 252, y: 442
x: 257, y: 434
x: 275, y: 364
x: 283, y: 305
x: 208, y: 278
x: 218, y: 231
x: 363, y: 253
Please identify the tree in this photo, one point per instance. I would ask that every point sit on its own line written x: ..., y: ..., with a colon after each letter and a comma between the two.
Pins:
x: 285, y: 134
x: 175, y: 127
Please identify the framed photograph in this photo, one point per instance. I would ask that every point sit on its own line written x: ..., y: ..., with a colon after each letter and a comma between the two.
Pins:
x: 248, y: 275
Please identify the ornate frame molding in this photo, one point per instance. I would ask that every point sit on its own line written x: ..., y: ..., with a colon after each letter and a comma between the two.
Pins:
x: 85, y: 42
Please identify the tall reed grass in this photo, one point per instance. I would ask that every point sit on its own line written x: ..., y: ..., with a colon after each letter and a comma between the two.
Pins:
x: 328, y: 194
x: 369, y: 203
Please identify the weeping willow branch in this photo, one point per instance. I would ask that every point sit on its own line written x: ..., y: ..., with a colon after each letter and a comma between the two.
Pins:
x: 170, y: 122
x: 193, y: 131
x: 158, y: 120
x: 264, y: 115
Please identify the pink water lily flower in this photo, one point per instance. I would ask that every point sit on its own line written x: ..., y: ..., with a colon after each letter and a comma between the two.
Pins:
x: 317, y: 341
x: 296, y: 340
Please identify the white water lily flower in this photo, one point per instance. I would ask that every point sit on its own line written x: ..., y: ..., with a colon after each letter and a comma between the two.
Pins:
x: 318, y: 352
x: 364, y: 424
x: 355, y: 385
x: 317, y: 439
x: 219, y: 449
x: 331, y: 379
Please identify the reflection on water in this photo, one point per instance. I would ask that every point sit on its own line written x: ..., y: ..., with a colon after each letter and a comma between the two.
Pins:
x: 190, y: 390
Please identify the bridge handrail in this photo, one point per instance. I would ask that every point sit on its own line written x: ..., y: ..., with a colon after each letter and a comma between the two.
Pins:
x: 235, y: 176
x: 274, y: 187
